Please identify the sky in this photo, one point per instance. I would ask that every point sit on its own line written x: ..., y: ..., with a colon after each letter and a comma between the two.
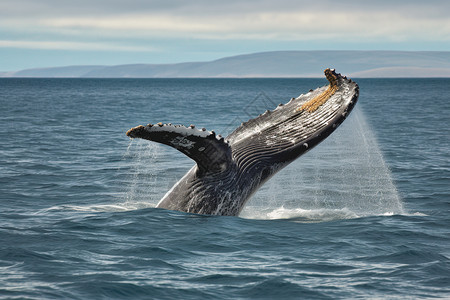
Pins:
x: 49, y: 33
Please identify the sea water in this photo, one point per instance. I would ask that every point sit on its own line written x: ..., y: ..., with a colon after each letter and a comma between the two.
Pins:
x: 363, y: 215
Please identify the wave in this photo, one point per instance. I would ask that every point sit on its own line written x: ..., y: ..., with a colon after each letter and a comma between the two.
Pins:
x: 315, y: 215
x: 96, y: 208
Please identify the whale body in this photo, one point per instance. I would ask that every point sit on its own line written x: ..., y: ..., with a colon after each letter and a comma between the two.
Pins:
x: 228, y: 171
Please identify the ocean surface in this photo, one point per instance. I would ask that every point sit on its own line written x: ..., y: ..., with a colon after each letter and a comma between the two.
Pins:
x: 365, y: 215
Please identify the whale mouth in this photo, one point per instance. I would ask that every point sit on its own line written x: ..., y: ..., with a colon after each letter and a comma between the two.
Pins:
x: 313, y: 115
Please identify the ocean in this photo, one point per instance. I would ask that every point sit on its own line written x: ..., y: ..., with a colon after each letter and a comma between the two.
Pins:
x: 364, y: 215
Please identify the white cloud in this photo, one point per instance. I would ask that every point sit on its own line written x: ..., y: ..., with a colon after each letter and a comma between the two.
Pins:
x: 285, y: 20
x: 263, y: 25
x: 60, y: 45
x: 140, y: 23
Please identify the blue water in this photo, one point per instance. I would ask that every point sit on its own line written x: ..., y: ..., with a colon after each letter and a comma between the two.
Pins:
x: 366, y: 214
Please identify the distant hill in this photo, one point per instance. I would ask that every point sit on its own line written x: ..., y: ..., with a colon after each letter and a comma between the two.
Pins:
x: 272, y: 64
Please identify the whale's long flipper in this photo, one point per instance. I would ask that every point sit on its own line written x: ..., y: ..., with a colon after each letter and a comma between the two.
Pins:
x: 210, y: 152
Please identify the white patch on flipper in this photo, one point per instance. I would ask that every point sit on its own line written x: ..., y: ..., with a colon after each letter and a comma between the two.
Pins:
x: 182, y: 142
x: 180, y: 129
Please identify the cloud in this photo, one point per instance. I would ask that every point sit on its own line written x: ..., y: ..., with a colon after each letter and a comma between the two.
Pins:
x: 262, y: 25
x: 29, y: 8
x: 61, y: 45
x: 352, y: 21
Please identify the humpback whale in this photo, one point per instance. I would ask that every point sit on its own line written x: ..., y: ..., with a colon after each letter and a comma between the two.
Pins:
x: 228, y: 171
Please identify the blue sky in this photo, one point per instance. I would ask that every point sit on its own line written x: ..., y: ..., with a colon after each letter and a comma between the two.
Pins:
x: 48, y: 33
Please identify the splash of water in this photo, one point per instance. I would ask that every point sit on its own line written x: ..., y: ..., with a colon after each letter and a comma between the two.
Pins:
x: 344, y: 177
x: 140, y: 187
x: 142, y: 181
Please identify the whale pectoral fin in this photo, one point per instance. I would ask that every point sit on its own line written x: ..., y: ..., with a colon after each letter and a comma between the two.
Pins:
x: 210, y: 152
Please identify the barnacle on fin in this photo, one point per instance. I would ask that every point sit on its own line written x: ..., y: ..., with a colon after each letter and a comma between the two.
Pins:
x: 313, y: 104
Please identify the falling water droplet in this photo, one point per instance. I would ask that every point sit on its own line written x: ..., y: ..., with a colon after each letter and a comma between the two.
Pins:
x: 346, y: 175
